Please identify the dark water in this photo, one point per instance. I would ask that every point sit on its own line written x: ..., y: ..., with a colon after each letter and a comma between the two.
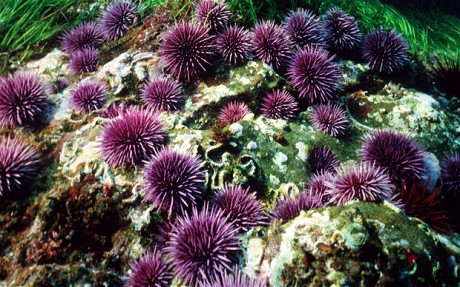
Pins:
x: 448, y: 6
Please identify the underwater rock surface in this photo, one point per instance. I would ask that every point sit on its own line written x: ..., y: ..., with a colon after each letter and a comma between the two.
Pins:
x: 360, y: 244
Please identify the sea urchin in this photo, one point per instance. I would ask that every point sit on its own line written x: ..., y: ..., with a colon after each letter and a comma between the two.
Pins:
x: 131, y: 138
x: 116, y: 19
x: 187, y: 51
x: 330, y: 118
x: 174, y: 180
x: 22, y: 99
x: 162, y: 95
x: 19, y: 164
x: 279, y: 105
x: 89, y: 95
x: 202, y: 246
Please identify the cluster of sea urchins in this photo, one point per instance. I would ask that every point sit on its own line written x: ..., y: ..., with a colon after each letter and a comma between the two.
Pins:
x: 82, y: 42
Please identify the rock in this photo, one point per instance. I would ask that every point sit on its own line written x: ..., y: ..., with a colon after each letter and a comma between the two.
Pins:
x: 359, y: 244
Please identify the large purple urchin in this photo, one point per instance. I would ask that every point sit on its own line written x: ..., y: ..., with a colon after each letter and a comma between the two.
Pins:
x: 279, y: 105
x: 322, y: 159
x: 314, y: 75
x: 244, y: 210
x: 214, y: 15
x: 22, y: 99
x: 162, y: 95
x: 202, y: 246
x: 84, y: 36
x: 385, y: 51
x: 450, y: 174
x: 234, y: 45
x: 89, y: 95
x: 330, y: 118
x: 84, y: 61
x: 235, y: 279
x: 150, y: 270
x: 400, y: 156
x: 233, y: 112
x: 174, y: 180
x: 342, y: 31
x: 270, y: 44
x: 364, y: 181
x: 131, y: 138
x: 19, y: 163
x: 304, y: 28
x: 288, y: 209
x: 116, y: 19
x: 187, y: 51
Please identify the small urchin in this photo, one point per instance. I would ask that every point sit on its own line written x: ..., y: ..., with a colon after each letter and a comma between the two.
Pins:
x: 385, y: 51
x: 270, y: 44
x: 149, y: 270
x: 313, y: 73
x: 317, y: 186
x: 342, y: 31
x: 187, y: 51
x: 304, y: 28
x: 322, y: 159
x: 22, y: 99
x: 212, y: 14
x: 202, y: 246
x: 287, y: 209
x: 116, y: 19
x: 89, y: 95
x: 233, y: 112
x: 330, y: 118
x: 244, y: 210
x: 162, y: 95
x: 364, y: 181
x: 84, y: 61
x: 84, y: 36
x: 234, y: 44
x: 450, y: 174
x: 279, y: 104
x: 19, y: 165
x: 174, y: 180
x: 131, y: 138
x: 399, y: 155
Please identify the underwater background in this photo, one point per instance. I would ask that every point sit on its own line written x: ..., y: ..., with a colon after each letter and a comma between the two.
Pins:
x: 229, y: 143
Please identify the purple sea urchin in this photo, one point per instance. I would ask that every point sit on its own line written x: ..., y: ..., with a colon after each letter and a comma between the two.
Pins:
x: 22, y: 99
x: 84, y: 61
x: 342, y: 31
x: 150, y: 270
x: 313, y: 73
x: 19, y: 164
x: 364, y: 181
x: 233, y: 112
x: 450, y: 174
x: 304, y: 28
x: 244, y: 210
x: 279, y: 105
x: 400, y: 156
x: 116, y: 19
x: 202, y: 246
x: 288, y: 209
x: 89, y: 95
x: 322, y: 159
x: 330, y: 118
x: 174, y: 180
x: 162, y: 95
x: 60, y: 85
x: 131, y: 138
x: 187, y: 51
x: 270, y: 44
x: 385, y: 51
x: 234, y: 45
x: 212, y: 14
x: 84, y: 36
